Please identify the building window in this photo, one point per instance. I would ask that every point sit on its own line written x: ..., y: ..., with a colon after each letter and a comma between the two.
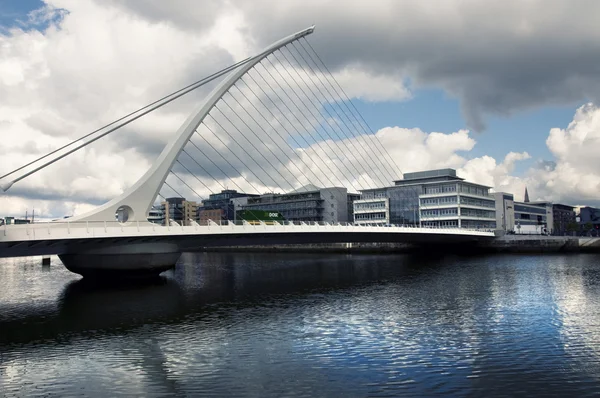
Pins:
x: 369, y: 206
x: 369, y: 216
x: 438, y: 201
x: 439, y: 212
x: 477, y: 213
x: 477, y: 202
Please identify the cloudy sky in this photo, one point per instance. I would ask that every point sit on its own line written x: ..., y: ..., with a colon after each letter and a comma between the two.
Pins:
x: 506, y: 92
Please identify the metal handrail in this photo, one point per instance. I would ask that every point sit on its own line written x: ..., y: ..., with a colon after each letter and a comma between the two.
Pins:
x: 92, y: 228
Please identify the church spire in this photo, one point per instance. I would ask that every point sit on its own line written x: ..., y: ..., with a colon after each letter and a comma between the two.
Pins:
x: 526, y: 200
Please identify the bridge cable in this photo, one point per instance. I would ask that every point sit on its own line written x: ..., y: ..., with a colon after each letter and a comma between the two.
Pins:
x: 224, y: 101
x: 147, y: 109
x: 345, y: 142
x: 235, y: 126
x: 165, y: 200
x: 369, y: 135
x: 317, y: 143
x: 353, y: 113
x: 326, y: 120
x: 225, y: 159
x: 203, y: 169
x: 258, y: 138
x: 176, y: 209
x: 249, y: 210
x: 187, y: 185
x: 272, y: 140
x: 246, y: 152
x: 356, y: 112
x: 276, y: 130
x: 210, y: 175
x: 172, y: 177
x: 217, y: 166
x: 319, y: 117
x: 291, y: 124
x: 173, y: 189
x: 189, y: 172
x: 335, y: 105
x: 233, y: 153
x: 348, y: 179
x: 369, y: 139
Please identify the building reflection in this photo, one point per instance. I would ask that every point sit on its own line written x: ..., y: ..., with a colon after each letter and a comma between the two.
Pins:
x: 199, y: 281
x: 188, y: 311
x: 577, y: 291
x: 322, y: 315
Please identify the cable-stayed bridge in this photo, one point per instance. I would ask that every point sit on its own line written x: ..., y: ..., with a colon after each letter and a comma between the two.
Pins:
x: 276, y: 122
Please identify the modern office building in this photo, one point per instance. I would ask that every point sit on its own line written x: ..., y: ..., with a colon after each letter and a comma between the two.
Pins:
x: 589, y: 216
x: 309, y: 203
x: 14, y: 221
x: 563, y: 217
x: 156, y: 215
x: 352, y: 197
x: 533, y: 218
x: 505, y: 211
x: 372, y: 210
x: 179, y: 210
x: 435, y: 198
x: 388, y: 205
x: 220, y: 206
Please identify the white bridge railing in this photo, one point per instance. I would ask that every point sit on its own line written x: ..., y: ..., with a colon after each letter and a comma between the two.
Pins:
x: 91, y: 229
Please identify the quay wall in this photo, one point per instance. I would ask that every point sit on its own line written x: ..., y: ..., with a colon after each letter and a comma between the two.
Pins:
x: 503, y: 244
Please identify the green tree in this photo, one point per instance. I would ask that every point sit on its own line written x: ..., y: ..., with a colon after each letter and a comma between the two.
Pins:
x: 572, y: 226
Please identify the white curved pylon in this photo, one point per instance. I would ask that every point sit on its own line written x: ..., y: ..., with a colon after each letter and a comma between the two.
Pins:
x: 140, y: 196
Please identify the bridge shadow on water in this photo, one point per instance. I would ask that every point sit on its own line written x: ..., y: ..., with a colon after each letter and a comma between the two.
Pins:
x: 202, y: 284
x: 526, y: 323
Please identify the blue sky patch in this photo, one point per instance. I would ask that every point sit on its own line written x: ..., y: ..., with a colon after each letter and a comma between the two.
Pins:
x: 433, y: 111
x: 18, y: 14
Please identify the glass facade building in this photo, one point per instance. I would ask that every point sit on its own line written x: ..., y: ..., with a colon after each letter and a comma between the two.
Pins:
x: 306, y: 204
x: 179, y: 211
x: 220, y: 206
x: 434, y: 198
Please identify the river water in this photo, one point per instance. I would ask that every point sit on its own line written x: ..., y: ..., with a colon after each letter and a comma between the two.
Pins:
x: 312, y: 325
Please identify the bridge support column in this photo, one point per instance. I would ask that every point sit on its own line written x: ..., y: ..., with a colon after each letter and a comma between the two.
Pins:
x: 137, y: 260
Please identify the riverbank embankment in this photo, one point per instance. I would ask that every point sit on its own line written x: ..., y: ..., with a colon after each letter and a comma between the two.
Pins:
x: 503, y: 244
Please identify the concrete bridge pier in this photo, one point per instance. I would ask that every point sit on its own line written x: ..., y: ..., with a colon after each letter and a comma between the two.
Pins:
x: 132, y: 260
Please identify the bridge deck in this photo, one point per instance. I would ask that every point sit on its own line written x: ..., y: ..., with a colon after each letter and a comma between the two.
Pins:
x: 59, y: 238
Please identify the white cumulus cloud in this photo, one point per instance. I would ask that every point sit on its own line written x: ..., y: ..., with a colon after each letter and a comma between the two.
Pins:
x: 98, y: 60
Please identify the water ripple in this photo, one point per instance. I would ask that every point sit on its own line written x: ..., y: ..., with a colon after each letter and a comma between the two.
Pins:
x: 306, y: 325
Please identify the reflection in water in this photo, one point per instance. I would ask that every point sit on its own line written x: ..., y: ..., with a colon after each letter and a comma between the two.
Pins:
x: 87, y: 306
x: 240, y: 324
